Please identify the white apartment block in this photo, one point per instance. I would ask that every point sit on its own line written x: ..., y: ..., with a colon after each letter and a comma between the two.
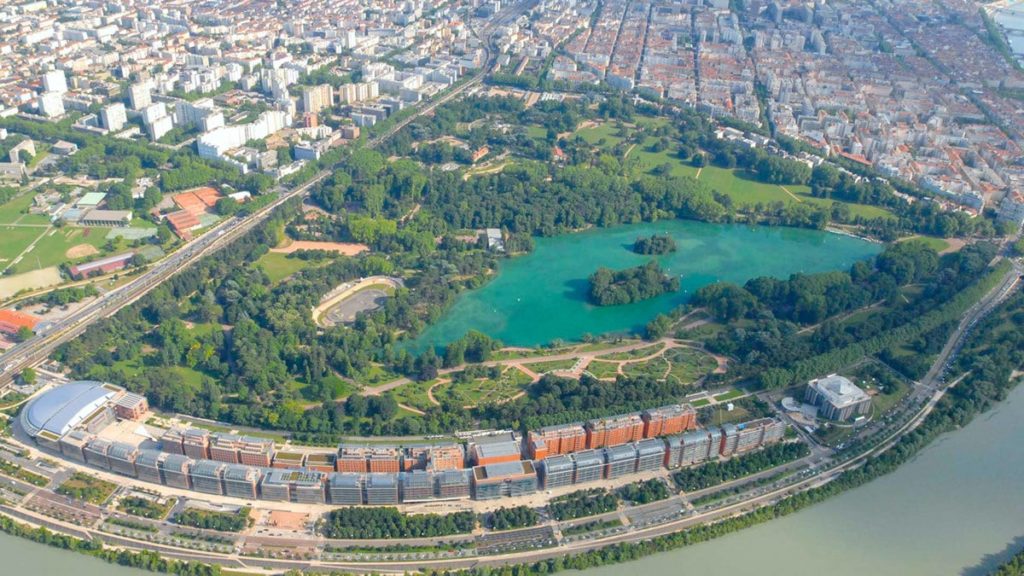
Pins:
x: 216, y: 143
x: 55, y: 81
x: 51, y: 104
x: 140, y: 95
x: 114, y: 117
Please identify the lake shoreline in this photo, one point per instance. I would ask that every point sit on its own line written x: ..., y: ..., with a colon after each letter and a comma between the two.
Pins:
x: 540, y: 298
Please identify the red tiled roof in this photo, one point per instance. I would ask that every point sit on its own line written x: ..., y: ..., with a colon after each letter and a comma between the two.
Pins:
x: 12, y: 320
x: 182, y: 221
x: 197, y: 200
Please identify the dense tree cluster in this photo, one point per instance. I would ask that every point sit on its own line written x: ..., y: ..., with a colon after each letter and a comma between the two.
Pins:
x: 645, y: 492
x: 583, y: 503
x: 1012, y: 567
x: 715, y: 473
x: 554, y: 400
x: 373, y: 523
x: 614, y: 287
x: 63, y: 296
x: 475, y: 346
x: 213, y: 520
x: 656, y: 244
x: 773, y: 311
x: 512, y: 518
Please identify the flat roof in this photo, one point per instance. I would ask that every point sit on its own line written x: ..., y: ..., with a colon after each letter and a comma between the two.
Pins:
x: 498, y: 449
x: 95, y: 264
x: 839, y: 391
x: 91, y: 199
x: 503, y: 470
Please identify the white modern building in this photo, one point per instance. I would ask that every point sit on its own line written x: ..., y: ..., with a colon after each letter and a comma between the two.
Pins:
x: 140, y: 95
x: 51, y: 104
x: 202, y: 113
x: 159, y: 127
x: 55, y: 81
x: 216, y: 143
x: 114, y: 117
x: 837, y: 398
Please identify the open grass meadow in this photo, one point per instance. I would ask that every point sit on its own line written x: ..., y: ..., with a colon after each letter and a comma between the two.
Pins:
x: 68, y: 244
x: 278, y: 266
x: 15, y: 240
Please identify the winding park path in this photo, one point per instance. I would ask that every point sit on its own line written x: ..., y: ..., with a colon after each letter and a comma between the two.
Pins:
x: 579, y: 353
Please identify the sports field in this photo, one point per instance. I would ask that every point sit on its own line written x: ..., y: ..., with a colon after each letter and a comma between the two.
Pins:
x: 60, y: 245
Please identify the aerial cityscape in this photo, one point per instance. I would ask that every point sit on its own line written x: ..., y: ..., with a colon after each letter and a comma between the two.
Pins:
x: 512, y: 286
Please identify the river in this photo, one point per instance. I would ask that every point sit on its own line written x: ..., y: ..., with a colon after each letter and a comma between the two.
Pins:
x: 541, y: 297
x: 955, y: 509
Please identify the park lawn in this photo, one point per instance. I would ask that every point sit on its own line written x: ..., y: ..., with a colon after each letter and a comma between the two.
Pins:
x: 16, y: 208
x: 339, y: 387
x: 651, y: 122
x: 606, y: 131
x: 743, y: 189
x: 741, y: 186
x: 133, y: 368
x: 193, y: 378
x: 656, y: 368
x: 16, y: 239
x: 414, y: 394
x: 486, y: 390
x: 130, y: 368
x: 603, y: 369
x: 861, y: 316
x: 862, y: 210
x: 278, y: 266
x: 402, y: 414
x: 647, y: 161
x: 689, y: 365
x: 700, y: 403
x: 719, y: 415
x: 537, y: 132
x: 375, y: 375
x: 142, y: 223
x: 705, y: 332
x: 550, y: 366
x: 634, y: 354
x: 88, y: 488
x: 51, y: 250
x: 937, y: 244
x: 515, y: 353
x: 730, y: 395
x: 883, y: 401
x: 202, y: 329
x: 606, y: 344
